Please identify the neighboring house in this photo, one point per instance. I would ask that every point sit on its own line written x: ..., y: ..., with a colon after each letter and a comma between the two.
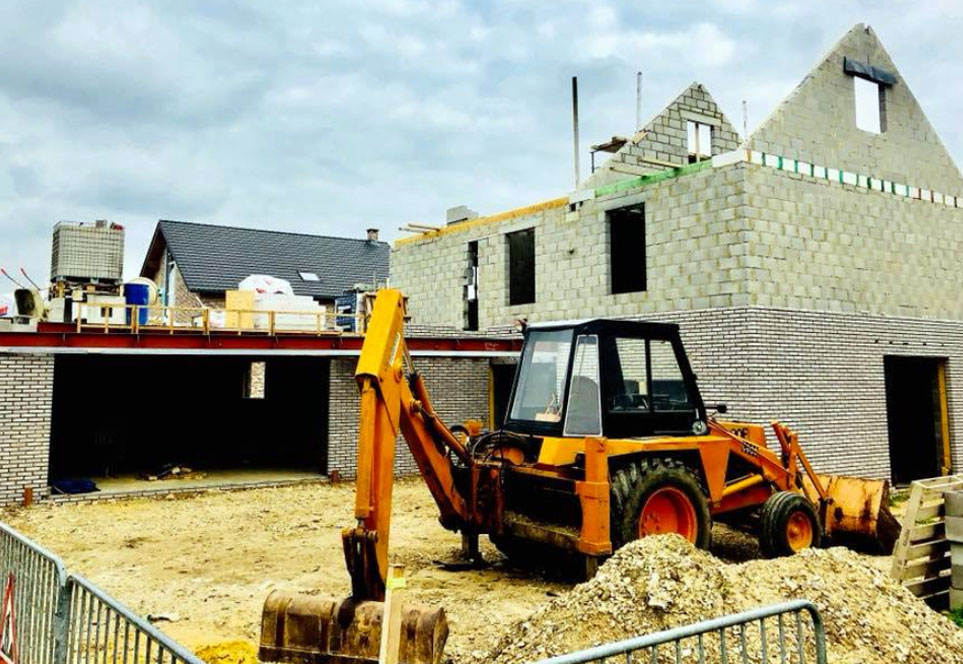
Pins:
x: 814, y: 267
x: 194, y: 264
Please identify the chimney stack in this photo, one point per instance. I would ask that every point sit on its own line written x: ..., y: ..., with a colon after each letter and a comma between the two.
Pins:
x: 372, y: 235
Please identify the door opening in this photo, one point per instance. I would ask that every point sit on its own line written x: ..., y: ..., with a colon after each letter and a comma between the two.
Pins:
x: 917, y: 417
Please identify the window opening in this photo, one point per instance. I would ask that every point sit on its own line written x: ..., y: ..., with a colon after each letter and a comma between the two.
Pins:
x: 521, y: 266
x: 869, y: 103
x: 627, y: 249
x: 699, y: 140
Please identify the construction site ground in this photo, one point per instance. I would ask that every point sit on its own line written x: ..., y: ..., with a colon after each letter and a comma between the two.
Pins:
x: 203, y: 563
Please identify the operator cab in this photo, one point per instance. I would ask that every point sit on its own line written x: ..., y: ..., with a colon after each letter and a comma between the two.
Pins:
x: 618, y: 379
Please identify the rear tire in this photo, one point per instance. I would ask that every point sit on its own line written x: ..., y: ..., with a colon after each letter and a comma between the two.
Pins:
x: 789, y: 525
x: 655, y: 496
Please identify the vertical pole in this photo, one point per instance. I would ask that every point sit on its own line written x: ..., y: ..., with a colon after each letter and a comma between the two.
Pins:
x: 391, y: 627
x: 638, y: 101
x: 745, y: 119
x: 578, y: 176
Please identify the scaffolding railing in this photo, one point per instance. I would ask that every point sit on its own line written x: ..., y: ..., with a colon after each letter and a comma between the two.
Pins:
x: 136, y: 318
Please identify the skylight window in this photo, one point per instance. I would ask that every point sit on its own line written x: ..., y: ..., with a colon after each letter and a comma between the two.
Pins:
x: 308, y: 276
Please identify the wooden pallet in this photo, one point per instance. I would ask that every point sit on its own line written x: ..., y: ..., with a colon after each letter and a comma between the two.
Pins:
x: 921, y: 559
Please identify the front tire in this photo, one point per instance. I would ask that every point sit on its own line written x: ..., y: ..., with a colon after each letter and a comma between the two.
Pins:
x: 658, y: 496
x: 789, y: 525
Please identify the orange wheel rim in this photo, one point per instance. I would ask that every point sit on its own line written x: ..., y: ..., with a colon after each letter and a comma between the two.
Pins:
x: 799, y: 531
x: 669, y: 510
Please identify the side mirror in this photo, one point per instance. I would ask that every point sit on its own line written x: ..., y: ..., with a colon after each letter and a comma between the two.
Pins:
x: 721, y: 408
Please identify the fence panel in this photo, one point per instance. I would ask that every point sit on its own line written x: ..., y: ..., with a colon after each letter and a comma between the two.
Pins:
x: 104, y: 631
x: 787, y: 633
x: 38, y: 601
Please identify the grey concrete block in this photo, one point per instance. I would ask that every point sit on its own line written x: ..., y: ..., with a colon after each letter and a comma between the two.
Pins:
x: 954, y: 528
x: 956, y: 598
x: 954, y: 503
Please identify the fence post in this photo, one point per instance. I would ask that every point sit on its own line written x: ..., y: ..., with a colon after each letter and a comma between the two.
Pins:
x: 61, y: 625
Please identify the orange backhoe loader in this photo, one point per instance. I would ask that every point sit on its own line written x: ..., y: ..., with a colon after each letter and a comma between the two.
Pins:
x: 606, y: 440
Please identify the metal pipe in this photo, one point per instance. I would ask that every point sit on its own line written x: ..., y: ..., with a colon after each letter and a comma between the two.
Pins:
x: 578, y: 176
x: 638, y: 101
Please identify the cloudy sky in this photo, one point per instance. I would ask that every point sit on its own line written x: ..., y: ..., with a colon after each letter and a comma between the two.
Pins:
x: 332, y: 116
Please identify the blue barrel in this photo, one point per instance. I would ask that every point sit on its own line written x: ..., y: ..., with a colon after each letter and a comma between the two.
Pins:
x: 137, y: 294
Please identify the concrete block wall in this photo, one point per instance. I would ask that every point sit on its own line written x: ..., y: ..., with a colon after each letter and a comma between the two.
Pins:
x: 812, y: 243
x: 694, y: 254
x: 817, y: 123
x: 665, y: 138
x: 458, y: 389
x: 26, y: 398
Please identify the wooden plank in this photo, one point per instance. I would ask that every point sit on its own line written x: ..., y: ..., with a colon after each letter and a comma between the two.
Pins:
x: 935, y: 530
x: 909, y: 521
x: 926, y: 512
x: 925, y: 569
x: 929, y: 587
x: 926, y: 550
x: 944, y: 417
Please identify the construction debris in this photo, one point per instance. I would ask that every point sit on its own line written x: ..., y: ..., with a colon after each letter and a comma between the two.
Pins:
x: 661, y: 582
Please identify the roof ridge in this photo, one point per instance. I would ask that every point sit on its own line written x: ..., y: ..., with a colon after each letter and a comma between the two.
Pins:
x: 263, y: 230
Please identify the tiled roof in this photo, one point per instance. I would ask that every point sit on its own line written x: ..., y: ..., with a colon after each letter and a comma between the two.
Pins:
x: 216, y: 258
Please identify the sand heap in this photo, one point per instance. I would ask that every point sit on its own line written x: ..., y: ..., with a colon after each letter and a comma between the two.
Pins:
x: 662, y: 582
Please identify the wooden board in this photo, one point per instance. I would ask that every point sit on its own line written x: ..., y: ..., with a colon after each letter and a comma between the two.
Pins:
x: 921, y: 559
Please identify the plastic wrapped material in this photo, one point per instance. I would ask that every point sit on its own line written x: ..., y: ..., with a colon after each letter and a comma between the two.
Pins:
x: 266, y: 284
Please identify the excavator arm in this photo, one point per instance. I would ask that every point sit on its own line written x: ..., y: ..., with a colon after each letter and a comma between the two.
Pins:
x: 393, y: 399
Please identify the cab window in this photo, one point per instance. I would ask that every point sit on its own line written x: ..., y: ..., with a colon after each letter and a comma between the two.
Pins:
x: 541, y: 374
x: 583, y: 415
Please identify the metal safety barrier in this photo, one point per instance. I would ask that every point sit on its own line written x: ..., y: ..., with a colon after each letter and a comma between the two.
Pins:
x: 62, y: 618
x: 102, y: 629
x: 738, y: 638
x: 38, y: 579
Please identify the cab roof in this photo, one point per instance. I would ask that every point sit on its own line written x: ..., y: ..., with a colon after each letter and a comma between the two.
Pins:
x: 610, y: 326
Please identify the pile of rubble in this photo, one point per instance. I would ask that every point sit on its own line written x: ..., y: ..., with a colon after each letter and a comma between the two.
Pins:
x: 662, y: 582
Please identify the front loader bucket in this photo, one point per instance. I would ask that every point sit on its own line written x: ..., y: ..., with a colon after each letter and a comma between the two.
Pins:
x: 305, y: 629
x: 859, y: 511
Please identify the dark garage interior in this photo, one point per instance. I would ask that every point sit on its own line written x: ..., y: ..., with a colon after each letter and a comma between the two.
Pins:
x: 916, y: 413
x: 131, y: 416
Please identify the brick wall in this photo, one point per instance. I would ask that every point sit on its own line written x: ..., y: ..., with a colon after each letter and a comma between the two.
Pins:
x: 458, y: 388
x: 821, y: 373
x: 26, y: 393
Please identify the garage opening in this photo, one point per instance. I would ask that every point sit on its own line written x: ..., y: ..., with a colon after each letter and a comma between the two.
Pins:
x: 132, y: 423
x: 917, y: 417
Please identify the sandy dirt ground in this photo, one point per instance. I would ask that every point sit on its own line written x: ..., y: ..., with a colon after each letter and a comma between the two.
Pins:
x: 209, y: 560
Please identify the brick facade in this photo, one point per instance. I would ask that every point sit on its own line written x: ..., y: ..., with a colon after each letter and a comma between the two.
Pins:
x: 458, y: 389
x: 26, y: 396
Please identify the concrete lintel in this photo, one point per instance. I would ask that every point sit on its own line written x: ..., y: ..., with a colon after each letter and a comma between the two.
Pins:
x: 700, y: 118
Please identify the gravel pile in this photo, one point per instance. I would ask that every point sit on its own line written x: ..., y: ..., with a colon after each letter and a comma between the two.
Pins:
x: 662, y: 582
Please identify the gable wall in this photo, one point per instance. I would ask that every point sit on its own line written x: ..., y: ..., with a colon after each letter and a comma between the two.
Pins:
x: 817, y: 123
x: 665, y: 138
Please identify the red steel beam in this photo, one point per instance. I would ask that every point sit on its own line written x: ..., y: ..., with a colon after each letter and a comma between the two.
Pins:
x: 54, y: 335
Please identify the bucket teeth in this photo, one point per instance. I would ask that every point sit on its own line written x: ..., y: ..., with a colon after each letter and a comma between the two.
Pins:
x: 304, y: 629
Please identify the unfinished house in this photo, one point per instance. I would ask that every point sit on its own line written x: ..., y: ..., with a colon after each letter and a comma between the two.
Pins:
x: 813, y: 266
x: 194, y: 264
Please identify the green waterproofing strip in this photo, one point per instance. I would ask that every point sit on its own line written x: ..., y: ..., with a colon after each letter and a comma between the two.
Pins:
x: 642, y: 180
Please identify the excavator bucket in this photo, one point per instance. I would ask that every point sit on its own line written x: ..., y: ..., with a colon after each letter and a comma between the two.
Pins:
x: 859, y: 511
x: 305, y: 629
